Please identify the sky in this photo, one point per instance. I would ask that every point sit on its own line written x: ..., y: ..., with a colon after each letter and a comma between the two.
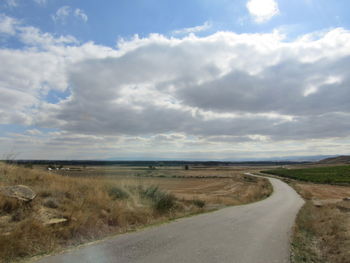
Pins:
x: 185, y: 80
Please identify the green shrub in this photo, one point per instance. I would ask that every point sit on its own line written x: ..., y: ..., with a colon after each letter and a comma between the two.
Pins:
x: 199, y: 203
x: 162, y: 201
x: 117, y: 193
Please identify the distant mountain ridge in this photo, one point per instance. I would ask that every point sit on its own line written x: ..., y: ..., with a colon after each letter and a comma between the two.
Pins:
x: 345, y: 159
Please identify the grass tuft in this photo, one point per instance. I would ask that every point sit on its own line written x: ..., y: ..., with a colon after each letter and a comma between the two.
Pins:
x: 116, y: 192
x: 199, y: 203
x: 162, y: 201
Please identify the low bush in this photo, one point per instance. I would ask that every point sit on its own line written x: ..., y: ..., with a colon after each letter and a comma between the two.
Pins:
x: 117, y: 193
x: 162, y: 201
x: 9, y: 205
x: 51, y: 203
x: 199, y: 203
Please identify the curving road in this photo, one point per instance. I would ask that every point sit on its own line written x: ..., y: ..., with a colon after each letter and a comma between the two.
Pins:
x: 254, y: 233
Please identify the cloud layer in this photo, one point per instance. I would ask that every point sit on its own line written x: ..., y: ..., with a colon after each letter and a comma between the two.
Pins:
x: 220, y: 95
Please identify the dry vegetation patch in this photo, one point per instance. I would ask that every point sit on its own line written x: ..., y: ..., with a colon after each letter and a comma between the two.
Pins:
x: 322, y: 229
x: 322, y: 234
x: 322, y: 192
x: 70, y: 210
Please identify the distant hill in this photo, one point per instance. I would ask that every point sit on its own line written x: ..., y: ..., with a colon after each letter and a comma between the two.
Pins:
x: 345, y: 159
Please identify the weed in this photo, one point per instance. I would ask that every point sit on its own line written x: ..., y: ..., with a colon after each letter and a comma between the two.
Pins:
x: 51, y: 203
x: 199, y: 203
x: 117, y: 193
x: 162, y: 201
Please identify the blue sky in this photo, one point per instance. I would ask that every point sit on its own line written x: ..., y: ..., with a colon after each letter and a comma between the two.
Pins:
x: 174, y: 79
x: 109, y: 20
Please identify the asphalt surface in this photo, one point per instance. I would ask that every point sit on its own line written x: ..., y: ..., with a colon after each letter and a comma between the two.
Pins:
x: 253, y: 233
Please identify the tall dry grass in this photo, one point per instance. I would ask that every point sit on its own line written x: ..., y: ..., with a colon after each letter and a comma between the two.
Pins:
x: 322, y: 234
x: 92, y: 208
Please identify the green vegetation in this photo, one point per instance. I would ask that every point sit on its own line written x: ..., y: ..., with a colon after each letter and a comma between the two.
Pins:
x: 116, y: 192
x: 199, y: 203
x: 162, y: 201
x: 327, y: 175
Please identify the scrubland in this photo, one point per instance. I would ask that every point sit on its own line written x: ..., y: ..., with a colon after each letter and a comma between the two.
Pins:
x: 71, y: 210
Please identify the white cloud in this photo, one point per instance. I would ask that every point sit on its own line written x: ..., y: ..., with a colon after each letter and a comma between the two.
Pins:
x: 27, y: 75
x: 206, y: 26
x: 65, y: 12
x: 34, y: 132
x: 33, y: 36
x: 262, y: 10
x: 81, y: 14
x: 61, y: 14
x: 8, y: 25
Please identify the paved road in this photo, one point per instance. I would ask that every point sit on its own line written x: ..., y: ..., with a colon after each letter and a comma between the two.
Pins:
x: 254, y: 233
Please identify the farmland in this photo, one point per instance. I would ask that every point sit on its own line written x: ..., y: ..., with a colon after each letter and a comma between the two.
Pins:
x: 326, y: 174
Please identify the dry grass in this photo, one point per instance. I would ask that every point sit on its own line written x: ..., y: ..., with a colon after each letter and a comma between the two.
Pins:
x: 236, y: 190
x: 322, y: 192
x: 94, y: 207
x: 322, y: 229
x: 116, y: 171
x: 322, y: 234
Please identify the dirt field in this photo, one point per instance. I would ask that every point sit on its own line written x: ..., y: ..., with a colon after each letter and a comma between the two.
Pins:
x: 202, y: 182
x: 174, y: 171
x: 214, y: 191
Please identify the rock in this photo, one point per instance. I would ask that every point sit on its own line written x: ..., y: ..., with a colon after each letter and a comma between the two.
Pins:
x: 55, y: 221
x: 317, y: 203
x: 20, y: 192
x: 346, y: 199
x: 49, y: 217
x: 323, y: 202
x: 104, y: 213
